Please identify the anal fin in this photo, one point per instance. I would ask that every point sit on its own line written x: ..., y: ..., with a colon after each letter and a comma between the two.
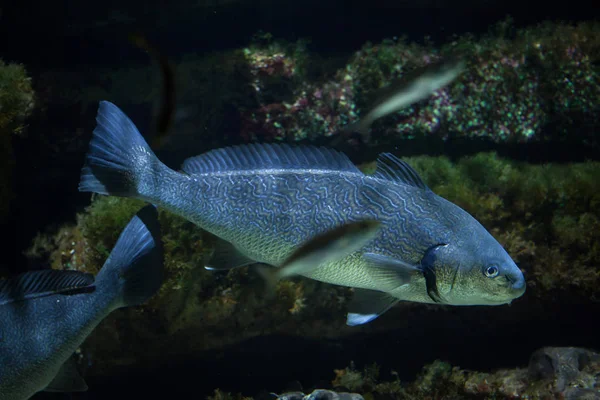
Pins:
x: 366, y: 305
x: 226, y: 256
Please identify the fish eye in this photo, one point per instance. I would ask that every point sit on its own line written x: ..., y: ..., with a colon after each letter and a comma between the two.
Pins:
x: 491, y: 272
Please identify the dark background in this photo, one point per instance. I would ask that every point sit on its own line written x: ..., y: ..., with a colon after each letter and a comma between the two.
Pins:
x: 50, y: 34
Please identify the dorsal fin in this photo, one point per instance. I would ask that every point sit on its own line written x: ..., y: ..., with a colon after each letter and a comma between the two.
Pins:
x: 392, y: 168
x: 264, y: 156
x: 42, y: 283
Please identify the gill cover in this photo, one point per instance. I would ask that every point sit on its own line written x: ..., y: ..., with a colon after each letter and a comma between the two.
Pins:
x: 428, y: 264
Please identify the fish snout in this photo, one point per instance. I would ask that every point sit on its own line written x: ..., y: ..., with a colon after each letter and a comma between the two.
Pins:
x: 517, y: 283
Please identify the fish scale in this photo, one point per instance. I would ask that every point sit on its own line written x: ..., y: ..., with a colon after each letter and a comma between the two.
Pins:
x: 265, y: 200
x: 260, y: 223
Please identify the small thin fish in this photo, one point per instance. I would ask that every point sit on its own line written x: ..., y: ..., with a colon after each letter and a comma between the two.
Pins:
x: 411, y: 88
x: 167, y: 108
x: 328, y: 247
x: 46, y: 315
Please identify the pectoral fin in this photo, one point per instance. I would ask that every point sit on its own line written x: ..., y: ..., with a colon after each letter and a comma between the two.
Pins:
x: 387, y: 272
x: 366, y: 305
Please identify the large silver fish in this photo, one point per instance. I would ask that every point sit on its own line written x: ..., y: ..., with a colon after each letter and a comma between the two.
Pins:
x: 46, y: 315
x: 264, y: 201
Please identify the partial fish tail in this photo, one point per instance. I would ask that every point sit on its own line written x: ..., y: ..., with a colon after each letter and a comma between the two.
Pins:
x: 362, y: 127
x: 134, y: 270
x: 119, y: 162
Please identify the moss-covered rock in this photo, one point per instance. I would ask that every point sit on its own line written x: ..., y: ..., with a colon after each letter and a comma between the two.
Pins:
x: 566, y: 373
x: 532, y: 83
x: 537, y: 83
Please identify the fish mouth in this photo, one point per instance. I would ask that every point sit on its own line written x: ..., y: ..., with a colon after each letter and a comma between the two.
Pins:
x: 516, y: 285
x: 517, y: 292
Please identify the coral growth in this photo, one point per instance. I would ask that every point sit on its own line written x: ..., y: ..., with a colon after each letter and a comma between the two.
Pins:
x: 541, y: 82
x: 287, y: 110
x: 534, y: 83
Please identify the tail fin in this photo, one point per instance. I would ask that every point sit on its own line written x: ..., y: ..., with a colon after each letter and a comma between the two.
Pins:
x: 136, y: 264
x: 118, y: 156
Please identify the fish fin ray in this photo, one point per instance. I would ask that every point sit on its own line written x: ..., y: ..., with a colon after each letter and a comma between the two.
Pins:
x: 111, y: 164
x: 387, y: 272
x: 137, y: 260
x: 391, y: 168
x: 226, y: 256
x: 67, y: 379
x: 366, y: 305
x: 329, y: 247
x: 35, y: 284
x: 261, y: 156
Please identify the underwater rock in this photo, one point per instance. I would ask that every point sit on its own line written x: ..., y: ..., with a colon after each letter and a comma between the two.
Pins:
x: 553, y: 373
x: 291, y: 396
x: 563, y: 365
x: 320, y: 394
x: 566, y: 373
x: 581, y: 394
